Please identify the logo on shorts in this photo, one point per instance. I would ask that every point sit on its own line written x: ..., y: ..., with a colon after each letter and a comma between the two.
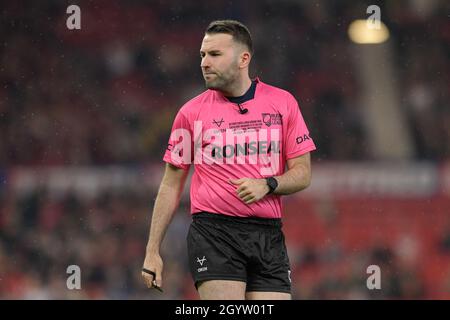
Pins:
x: 289, y: 276
x: 201, y: 261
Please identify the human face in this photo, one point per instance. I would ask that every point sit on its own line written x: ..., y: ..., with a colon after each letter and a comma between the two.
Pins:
x: 219, y: 54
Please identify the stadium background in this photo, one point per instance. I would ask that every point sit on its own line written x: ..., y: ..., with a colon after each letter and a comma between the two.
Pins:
x: 85, y: 116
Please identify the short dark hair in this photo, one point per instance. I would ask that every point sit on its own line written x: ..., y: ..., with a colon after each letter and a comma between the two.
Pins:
x: 235, y: 28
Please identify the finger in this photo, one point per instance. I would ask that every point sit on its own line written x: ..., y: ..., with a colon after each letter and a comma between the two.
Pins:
x: 248, y: 198
x: 147, y: 279
x: 150, y: 282
x: 150, y: 272
x: 241, y: 188
x: 244, y: 193
x: 150, y: 276
x: 236, y: 181
x: 158, y: 280
x: 250, y: 201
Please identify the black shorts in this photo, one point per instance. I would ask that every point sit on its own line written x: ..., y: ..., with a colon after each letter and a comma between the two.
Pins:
x: 251, y: 250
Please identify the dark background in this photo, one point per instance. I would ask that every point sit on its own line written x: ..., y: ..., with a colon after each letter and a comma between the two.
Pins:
x: 85, y: 116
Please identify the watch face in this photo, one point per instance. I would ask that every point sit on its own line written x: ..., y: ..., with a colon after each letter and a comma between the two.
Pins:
x: 272, y: 183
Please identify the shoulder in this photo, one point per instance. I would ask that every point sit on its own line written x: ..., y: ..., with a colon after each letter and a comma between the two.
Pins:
x: 279, y: 95
x: 194, y: 105
x: 276, y: 92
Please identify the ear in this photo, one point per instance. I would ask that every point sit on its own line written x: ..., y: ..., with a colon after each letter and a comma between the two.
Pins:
x: 244, y: 59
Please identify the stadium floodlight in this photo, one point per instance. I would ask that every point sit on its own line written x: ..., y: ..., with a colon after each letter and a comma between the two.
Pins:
x: 360, y: 32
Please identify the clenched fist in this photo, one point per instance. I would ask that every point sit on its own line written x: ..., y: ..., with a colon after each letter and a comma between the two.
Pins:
x: 250, y: 190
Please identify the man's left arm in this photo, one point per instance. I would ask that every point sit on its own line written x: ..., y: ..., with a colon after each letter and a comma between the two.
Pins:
x: 296, y: 178
x: 298, y: 175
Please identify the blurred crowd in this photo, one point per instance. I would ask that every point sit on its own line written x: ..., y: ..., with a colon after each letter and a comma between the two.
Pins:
x: 42, y: 235
x: 422, y: 43
x: 108, y: 93
x: 330, y: 247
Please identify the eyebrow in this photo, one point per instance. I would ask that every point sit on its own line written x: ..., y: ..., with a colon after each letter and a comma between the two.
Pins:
x: 210, y: 52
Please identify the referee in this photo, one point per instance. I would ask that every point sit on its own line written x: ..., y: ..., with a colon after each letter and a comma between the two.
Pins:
x: 249, y: 145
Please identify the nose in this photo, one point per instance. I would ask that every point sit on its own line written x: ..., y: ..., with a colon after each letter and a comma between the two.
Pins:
x: 205, y: 63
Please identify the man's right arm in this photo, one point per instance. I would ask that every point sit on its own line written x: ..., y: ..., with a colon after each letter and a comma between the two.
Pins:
x: 166, y: 204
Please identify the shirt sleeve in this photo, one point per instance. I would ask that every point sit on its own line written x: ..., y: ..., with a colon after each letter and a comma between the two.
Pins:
x: 179, y: 147
x: 298, y: 140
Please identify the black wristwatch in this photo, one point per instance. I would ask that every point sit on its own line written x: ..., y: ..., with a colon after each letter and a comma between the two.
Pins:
x: 272, y: 183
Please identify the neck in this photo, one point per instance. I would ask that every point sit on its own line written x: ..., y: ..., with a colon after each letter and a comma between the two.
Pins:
x: 238, y: 88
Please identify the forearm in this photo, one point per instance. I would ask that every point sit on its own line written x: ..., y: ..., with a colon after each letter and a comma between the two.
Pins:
x: 166, y: 204
x: 293, y: 180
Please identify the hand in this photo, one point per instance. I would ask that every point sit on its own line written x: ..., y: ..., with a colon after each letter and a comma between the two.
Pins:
x: 250, y: 190
x: 154, y: 263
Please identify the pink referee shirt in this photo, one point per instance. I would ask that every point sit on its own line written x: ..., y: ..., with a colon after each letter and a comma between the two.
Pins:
x: 222, y: 143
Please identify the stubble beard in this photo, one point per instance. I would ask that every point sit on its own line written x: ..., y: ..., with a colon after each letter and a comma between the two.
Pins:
x: 222, y: 82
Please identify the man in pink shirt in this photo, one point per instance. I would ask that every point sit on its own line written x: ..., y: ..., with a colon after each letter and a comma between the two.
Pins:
x: 240, y: 135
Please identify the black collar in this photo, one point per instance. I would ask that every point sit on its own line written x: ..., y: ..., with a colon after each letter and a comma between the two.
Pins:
x: 249, y: 95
